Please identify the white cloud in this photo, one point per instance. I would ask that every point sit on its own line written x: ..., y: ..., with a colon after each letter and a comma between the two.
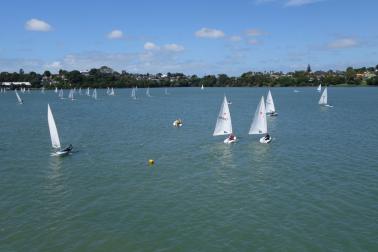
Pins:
x: 54, y: 64
x: 37, y: 25
x: 294, y: 3
x: 342, y: 43
x: 150, y: 46
x: 115, y: 34
x: 209, y: 33
x: 235, y: 38
x: 174, y: 47
x: 254, y: 32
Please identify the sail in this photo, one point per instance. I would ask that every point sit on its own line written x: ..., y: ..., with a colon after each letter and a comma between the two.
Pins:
x: 111, y: 92
x: 148, y: 92
x: 270, y: 104
x: 319, y: 88
x: 223, y: 125
x: 323, y: 97
x: 259, y: 125
x: 53, y: 130
x: 202, y: 87
x: 94, y: 94
x: 166, y: 91
x: 61, y: 93
x: 56, y: 90
x: 18, y: 97
x: 71, y: 94
x: 79, y: 91
x: 88, y: 94
x: 108, y: 91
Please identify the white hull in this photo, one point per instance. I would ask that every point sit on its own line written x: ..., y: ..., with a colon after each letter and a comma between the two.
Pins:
x: 272, y: 114
x: 177, y: 124
x: 263, y: 140
x: 228, y: 141
x: 60, y: 153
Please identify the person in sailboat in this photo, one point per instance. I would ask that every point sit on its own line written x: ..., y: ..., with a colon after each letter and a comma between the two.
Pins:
x: 267, y: 137
x: 231, y: 137
x: 68, y: 149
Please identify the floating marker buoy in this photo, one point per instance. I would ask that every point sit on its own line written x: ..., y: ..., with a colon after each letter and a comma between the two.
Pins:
x: 151, y: 162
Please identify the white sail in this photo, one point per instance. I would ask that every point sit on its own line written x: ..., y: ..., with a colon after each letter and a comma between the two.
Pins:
x: 18, y: 97
x: 323, y: 97
x: 71, y: 94
x: 88, y: 93
x: 319, y: 88
x: 94, y: 94
x: 148, y: 92
x: 259, y: 125
x: 223, y: 125
x: 79, y: 91
x: 108, y: 91
x: 42, y: 90
x: 61, y: 94
x: 166, y: 91
x: 270, y: 104
x: 55, y: 142
x: 56, y: 90
x: 111, y: 92
x: 133, y: 94
x: 202, y: 87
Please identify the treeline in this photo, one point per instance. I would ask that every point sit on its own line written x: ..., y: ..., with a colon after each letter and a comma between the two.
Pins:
x: 106, y: 77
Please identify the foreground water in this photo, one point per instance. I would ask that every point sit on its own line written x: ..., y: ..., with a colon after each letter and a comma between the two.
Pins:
x: 314, y: 188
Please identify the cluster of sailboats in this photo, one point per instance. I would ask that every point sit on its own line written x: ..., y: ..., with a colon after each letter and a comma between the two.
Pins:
x: 259, y: 124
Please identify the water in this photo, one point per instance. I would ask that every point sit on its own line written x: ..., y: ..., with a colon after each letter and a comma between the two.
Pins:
x: 314, y: 188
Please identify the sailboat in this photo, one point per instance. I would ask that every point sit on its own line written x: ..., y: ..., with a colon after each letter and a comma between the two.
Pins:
x: 224, y: 124
x: 319, y: 88
x: 61, y: 94
x: 111, y: 92
x: 166, y: 91
x: 202, y: 88
x: 19, y: 98
x: 56, y: 90
x: 88, y: 93
x: 94, y: 94
x: 79, y: 91
x: 42, y: 90
x: 133, y: 94
x: 259, y: 124
x: 148, y: 92
x: 270, y: 109
x: 71, y: 95
x: 108, y: 91
x: 55, y: 142
x: 324, y: 98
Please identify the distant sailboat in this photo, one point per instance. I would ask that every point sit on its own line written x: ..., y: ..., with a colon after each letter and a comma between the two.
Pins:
x: 324, y: 98
x: 18, y: 98
x: 270, y: 108
x: 166, y: 91
x: 259, y: 124
x: 80, y: 91
x: 319, y: 88
x: 224, y: 124
x: 88, y: 92
x: 133, y: 94
x: 61, y: 94
x: 71, y: 95
x: 94, y: 94
x: 55, y: 142
x: 42, y: 90
x: 148, y: 92
x: 56, y: 90
x: 112, y: 92
x: 202, y: 88
x: 108, y: 91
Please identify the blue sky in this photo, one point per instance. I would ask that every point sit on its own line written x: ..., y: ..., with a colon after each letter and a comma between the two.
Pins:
x: 194, y: 37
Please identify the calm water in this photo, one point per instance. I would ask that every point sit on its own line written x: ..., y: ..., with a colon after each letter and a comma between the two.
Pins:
x: 314, y: 188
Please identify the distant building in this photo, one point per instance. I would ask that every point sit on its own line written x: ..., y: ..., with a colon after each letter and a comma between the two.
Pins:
x: 16, y: 84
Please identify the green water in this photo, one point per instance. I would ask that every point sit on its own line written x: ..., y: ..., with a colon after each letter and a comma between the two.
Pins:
x: 314, y: 188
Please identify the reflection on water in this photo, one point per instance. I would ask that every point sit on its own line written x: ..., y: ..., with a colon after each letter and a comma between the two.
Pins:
x: 225, y: 168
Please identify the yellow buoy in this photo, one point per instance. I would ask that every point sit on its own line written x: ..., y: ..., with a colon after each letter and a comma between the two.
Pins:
x: 151, y: 162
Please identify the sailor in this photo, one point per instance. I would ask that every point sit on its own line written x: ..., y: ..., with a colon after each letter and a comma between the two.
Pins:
x: 69, y: 148
x: 267, y: 137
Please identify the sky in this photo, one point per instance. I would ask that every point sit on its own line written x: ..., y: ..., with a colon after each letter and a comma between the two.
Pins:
x: 192, y: 37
